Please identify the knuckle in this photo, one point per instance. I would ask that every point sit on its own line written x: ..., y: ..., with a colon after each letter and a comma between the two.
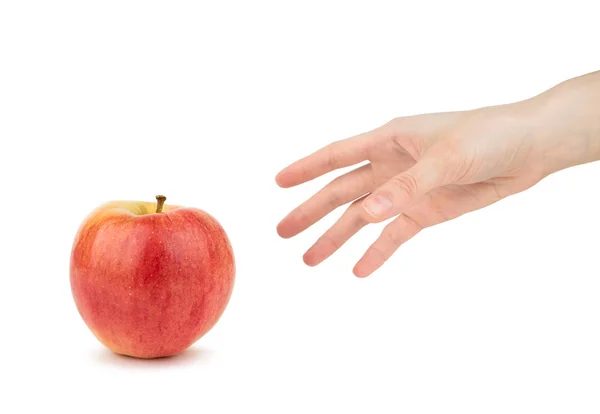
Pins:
x: 379, y: 253
x: 334, y: 196
x: 330, y: 241
x: 393, y: 237
x: 335, y: 199
x: 393, y: 124
x: 405, y: 183
x: 357, y: 221
x: 412, y: 223
x: 302, y: 215
x: 332, y: 158
x: 353, y: 217
x: 400, y: 123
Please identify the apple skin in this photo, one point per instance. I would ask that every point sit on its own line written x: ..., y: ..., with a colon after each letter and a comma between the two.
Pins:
x: 149, y: 284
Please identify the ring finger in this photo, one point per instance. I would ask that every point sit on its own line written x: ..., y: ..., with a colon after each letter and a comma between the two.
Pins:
x: 347, y: 226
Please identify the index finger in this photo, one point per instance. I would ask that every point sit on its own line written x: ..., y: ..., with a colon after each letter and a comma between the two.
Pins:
x: 336, y: 155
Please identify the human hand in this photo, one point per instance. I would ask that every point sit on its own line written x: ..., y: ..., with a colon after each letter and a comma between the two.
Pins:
x: 425, y: 170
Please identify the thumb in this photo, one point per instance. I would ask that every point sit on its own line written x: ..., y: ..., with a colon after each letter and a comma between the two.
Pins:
x: 396, y: 195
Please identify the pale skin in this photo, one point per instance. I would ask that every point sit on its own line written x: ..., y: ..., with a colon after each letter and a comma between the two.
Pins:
x: 423, y: 170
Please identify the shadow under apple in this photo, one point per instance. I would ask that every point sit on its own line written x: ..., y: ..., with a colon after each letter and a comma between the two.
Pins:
x: 190, y: 356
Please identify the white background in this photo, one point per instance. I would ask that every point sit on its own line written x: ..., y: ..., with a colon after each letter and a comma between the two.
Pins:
x: 495, y: 312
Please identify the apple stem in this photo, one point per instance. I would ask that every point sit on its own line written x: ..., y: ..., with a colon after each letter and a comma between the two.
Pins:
x: 160, y: 202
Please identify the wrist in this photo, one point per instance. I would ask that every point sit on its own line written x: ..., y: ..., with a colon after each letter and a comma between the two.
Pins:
x: 566, y: 123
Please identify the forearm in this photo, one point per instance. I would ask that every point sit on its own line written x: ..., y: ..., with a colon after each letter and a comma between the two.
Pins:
x: 567, y: 122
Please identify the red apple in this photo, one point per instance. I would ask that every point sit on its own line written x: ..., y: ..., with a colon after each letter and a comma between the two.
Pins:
x: 149, y: 280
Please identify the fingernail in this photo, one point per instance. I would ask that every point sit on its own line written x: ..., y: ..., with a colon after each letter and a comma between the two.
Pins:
x: 378, y: 205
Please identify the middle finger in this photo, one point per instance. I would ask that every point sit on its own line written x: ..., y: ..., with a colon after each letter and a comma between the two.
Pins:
x: 340, y: 191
